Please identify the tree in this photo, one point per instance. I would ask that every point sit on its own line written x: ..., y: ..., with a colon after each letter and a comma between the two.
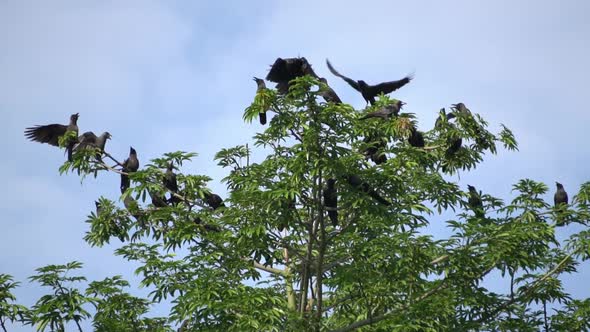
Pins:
x: 269, y: 259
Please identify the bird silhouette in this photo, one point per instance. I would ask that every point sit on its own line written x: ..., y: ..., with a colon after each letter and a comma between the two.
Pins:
x: 386, y: 111
x: 331, y: 200
x: 51, y: 133
x: 328, y: 93
x: 475, y: 202
x: 260, y: 87
x: 130, y: 165
x: 369, y: 92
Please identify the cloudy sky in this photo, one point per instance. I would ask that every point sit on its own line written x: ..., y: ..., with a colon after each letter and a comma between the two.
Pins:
x: 165, y: 76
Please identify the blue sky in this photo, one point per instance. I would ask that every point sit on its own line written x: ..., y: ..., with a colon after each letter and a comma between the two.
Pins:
x: 165, y: 76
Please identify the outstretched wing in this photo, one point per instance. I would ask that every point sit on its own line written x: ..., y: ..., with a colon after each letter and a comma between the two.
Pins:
x: 278, y: 71
x: 350, y: 81
x: 388, y: 87
x: 46, y: 134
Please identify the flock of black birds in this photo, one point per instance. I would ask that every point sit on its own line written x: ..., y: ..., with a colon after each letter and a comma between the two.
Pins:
x: 282, y: 72
x: 52, y: 133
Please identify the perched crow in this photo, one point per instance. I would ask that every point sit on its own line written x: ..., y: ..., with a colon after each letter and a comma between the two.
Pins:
x: 90, y: 140
x: 214, y: 200
x: 285, y: 70
x: 328, y: 93
x: 449, y: 116
x: 369, y: 92
x: 157, y: 200
x: 461, y: 108
x: 416, y: 138
x: 50, y: 134
x: 130, y: 165
x: 356, y: 182
x: 331, y: 201
x: 261, y: 86
x: 454, y: 146
x: 560, y: 196
x: 98, y: 208
x: 374, y: 150
x: 386, y: 112
x: 171, y: 184
x: 474, y: 201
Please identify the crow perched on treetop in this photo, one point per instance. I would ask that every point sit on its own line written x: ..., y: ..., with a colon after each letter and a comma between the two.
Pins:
x: 261, y: 86
x: 328, y: 93
x: 449, y: 116
x: 416, y: 138
x: 130, y: 165
x: 90, y: 140
x: 214, y: 200
x: 171, y: 183
x: 386, y: 111
x: 560, y: 196
x: 369, y: 92
x: 284, y: 70
x: 331, y: 201
x: 51, y: 133
x: 461, y: 108
x: 374, y: 150
x: 475, y: 202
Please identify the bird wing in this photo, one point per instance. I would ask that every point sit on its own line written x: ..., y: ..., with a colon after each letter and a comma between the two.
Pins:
x: 85, y: 140
x: 46, y: 134
x: 388, y: 87
x: 277, y: 71
x: 350, y: 81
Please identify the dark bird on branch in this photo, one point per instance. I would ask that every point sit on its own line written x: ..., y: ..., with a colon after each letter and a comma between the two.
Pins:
x: 416, y: 138
x: 386, y: 111
x: 461, y: 108
x: 328, y: 93
x: 369, y: 92
x: 133, y: 208
x: 285, y: 70
x: 214, y: 200
x: 331, y: 201
x: 454, y: 142
x: 98, y: 208
x: 260, y: 87
x: 560, y: 196
x: 356, y: 182
x: 449, y: 116
x: 90, y: 140
x: 375, y: 149
x: 51, y: 133
x: 158, y: 201
x: 475, y: 202
x: 171, y: 184
x: 454, y: 146
x: 130, y: 165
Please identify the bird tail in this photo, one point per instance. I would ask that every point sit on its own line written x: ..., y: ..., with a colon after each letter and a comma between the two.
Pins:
x: 333, y: 217
x: 124, y: 183
x: 262, y: 117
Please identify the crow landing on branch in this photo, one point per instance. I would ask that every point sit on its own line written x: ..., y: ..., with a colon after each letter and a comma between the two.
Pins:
x: 369, y: 92
x: 51, y: 133
x: 285, y: 70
